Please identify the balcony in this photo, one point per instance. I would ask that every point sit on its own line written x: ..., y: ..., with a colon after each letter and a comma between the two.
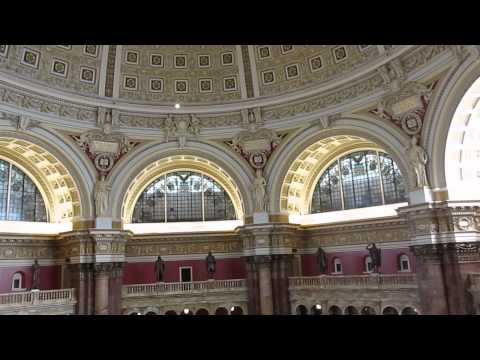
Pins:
x: 43, y: 302
x: 339, y: 294
x: 354, y: 282
x: 160, y: 298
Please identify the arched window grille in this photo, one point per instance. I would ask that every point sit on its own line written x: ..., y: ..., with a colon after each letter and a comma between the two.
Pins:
x: 183, y: 196
x: 20, y: 199
x: 360, y: 179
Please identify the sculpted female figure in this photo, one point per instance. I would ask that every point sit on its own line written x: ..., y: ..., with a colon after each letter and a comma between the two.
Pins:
x: 418, y: 158
x: 259, y: 192
x: 100, y: 195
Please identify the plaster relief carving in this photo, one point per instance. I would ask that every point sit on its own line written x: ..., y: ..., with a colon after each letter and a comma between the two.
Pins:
x: 255, y: 145
x: 181, y: 127
x: 406, y: 107
x: 104, y: 147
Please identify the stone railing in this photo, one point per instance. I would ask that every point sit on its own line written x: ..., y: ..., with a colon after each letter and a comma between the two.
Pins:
x: 42, y: 297
x: 374, y: 281
x: 159, y: 289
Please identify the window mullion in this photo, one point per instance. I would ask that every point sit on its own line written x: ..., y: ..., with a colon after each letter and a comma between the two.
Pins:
x: 203, y: 199
x: 381, y: 178
x: 341, y: 183
x: 166, y: 197
x: 9, y: 186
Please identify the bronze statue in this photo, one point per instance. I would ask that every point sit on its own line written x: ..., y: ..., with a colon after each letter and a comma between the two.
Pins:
x: 35, y: 275
x: 159, y: 269
x: 375, y: 255
x: 211, y: 265
x: 322, y: 260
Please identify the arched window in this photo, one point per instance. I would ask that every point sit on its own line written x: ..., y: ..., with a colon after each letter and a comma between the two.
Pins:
x: 183, y: 196
x: 404, y: 263
x: 17, y: 282
x: 368, y: 264
x: 20, y: 199
x: 360, y: 179
x: 337, y: 266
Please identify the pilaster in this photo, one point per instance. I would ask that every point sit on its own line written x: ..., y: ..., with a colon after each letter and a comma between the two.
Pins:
x: 445, y: 238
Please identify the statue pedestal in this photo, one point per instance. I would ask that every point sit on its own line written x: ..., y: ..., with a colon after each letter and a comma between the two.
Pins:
x: 103, y: 223
x: 421, y: 196
x: 260, y: 218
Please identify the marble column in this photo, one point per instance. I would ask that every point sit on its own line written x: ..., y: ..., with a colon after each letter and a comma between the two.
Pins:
x: 265, y: 284
x: 102, y: 275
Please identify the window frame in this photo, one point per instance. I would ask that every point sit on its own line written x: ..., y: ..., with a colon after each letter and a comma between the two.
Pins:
x: 337, y: 261
x: 381, y: 179
x: 401, y: 258
x: 367, y: 261
x: 180, y: 274
x: 21, y: 277
x: 212, y: 206
x: 9, y: 204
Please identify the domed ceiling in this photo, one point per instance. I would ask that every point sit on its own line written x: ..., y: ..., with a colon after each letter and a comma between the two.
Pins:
x: 189, y: 74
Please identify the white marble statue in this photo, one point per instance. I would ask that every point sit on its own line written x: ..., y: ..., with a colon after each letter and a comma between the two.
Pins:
x: 101, y: 194
x: 259, y: 192
x: 418, y: 158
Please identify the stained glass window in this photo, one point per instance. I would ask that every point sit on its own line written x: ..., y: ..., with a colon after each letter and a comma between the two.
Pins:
x: 20, y: 199
x: 183, y: 196
x: 360, y: 179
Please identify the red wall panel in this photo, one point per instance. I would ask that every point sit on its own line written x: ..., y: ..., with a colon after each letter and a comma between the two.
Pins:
x: 50, y: 277
x: 353, y: 262
x: 143, y: 272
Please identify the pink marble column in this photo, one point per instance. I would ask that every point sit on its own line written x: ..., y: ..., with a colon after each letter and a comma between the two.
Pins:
x: 265, y: 284
x: 102, y: 275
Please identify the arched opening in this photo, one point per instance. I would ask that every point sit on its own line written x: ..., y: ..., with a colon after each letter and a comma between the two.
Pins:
x: 337, y: 266
x: 158, y: 184
x: 236, y: 310
x: 334, y: 310
x: 221, y: 311
x: 409, y: 311
x: 301, y: 310
x: 357, y: 180
x: 186, y: 312
x: 151, y: 313
x: 319, y: 170
x: 171, y: 312
x: 462, y: 151
x: 36, y: 184
x: 403, y: 263
x: 181, y: 196
x: 202, y: 312
x: 367, y: 310
x: 351, y: 310
x: 316, y: 309
x: 18, y: 282
x: 390, y: 310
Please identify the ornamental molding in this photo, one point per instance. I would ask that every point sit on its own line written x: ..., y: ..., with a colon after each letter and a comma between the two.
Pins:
x: 255, y: 145
x: 366, y: 82
x: 48, y: 106
x: 448, y: 253
x: 181, y: 128
x: 104, y: 147
x: 406, y: 107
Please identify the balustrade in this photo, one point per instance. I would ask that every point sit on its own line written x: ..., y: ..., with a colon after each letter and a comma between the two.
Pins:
x: 374, y: 281
x: 181, y: 287
x: 42, y: 297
